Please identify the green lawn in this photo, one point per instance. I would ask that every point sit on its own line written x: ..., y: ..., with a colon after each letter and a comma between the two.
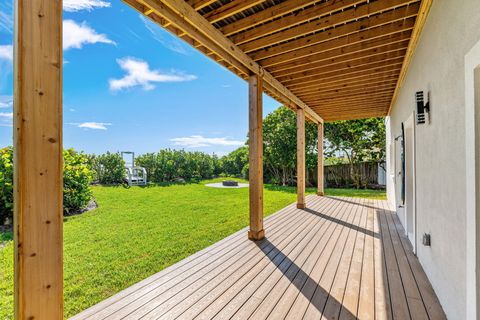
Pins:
x: 137, y: 232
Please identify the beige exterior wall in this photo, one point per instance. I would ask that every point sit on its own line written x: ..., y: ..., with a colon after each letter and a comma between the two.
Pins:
x: 438, y: 67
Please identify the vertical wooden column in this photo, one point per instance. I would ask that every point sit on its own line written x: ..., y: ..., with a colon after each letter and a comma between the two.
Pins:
x: 256, y: 231
x: 320, y: 177
x: 300, y: 158
x: 38, y: 183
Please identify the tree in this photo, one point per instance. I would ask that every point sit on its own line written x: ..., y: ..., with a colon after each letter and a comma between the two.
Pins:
x: 359, y: 140
x: 235, y: 162
x: 280, y: 146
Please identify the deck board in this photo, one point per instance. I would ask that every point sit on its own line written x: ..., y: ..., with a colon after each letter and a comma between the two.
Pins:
x: 341, y: 258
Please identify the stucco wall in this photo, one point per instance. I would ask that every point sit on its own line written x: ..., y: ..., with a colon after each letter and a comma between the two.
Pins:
x: 451, y: 30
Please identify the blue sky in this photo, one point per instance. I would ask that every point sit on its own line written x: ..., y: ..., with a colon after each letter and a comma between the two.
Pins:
x: 130, y: 85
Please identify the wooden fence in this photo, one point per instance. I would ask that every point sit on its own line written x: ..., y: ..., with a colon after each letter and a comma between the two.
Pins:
x: 366, y: 174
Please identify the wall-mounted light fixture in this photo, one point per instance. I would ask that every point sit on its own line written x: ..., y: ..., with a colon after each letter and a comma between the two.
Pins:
x: 423, y: 109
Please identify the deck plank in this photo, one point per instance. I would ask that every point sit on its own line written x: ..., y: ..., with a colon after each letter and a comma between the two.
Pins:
x: 383, y: 309
x: 216, y: 298
x: 351, y: 297
x: 366, y: 303
x: 332, y: 309
x: 414, y: 300
x: 226, y: 263
x: 265, y: 288
x: 322, y: 290
x: 399, y: 300
x: 283, y: 305
x: 260, y: 288
x: 341, y: 258
x: 181, y: 269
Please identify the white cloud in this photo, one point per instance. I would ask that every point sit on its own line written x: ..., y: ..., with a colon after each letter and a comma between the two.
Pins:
x: 6, y: 101
x: 6, y: 52
x: 168, y: 40
x: 77, y: 5
x: 140, y: 74
x: 6, y: 115
x: 76, y: 35
x: 92, y: 125
x: 196, y: 141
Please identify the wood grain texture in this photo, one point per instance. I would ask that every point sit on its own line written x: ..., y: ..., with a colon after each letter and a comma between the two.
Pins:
x: 255, y: 120
x: 320, y: 176
x: 38, y: 208
x: 300, y: 159
x: 340, y: 258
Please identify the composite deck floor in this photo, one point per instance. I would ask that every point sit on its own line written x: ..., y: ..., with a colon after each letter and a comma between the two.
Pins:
x: 341, y: 258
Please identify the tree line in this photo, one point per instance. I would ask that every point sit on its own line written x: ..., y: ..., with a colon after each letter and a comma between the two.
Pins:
x: 352, y: 141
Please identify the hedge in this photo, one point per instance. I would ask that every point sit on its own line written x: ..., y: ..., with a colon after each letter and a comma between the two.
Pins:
x: 77, y: 177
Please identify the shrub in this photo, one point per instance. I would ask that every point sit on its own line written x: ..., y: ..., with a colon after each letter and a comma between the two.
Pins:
x: 109, y: 168
x: 6, y: 184
x: 235, y: 162
x: 170, y: 165
x: 76, y: 178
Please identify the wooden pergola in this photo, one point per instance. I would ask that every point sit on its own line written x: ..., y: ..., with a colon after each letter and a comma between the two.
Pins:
x: 325, y: 59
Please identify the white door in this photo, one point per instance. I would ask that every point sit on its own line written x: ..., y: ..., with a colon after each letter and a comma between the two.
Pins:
x: 410, y: 212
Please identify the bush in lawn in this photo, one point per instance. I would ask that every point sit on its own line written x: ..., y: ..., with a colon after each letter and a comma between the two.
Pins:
x: 6, y: 184
x: 235, y: 162
x: 168, y: 165
x: 76, y: 178
x: 109, y: 168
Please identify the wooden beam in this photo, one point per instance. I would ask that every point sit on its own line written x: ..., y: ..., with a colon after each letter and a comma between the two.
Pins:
x: 300, y: 159
x: 381, y: 44
x: 338, y: 37
x: 341, y: 56
x: 314, y: 12
x: 38, y: 169
x: 417, y: 30
x: 376, y: 67
x: 354, y: 116
x: 358, y: 107
x: 152, y: 15
x: 387, y: 95
x: 255, y: 150
x: 230, y: 9
x: 320, y: 176
x: 186, y: 18
x: 347, y: 94
x: 341, y: 67
x: 318, y: 25
x: 351, y: 81
x: 270, y: 13
x: 347, y: 89
x: 200, y: 4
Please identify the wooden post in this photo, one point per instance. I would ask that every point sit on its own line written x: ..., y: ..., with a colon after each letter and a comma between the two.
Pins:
x: 300, y: 158
x: 256, y: 231
x: 38, y: 183
x: 320, y: 176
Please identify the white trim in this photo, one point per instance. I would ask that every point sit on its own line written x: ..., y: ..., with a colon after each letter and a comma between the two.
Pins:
x: 472, y: 61
x: 410, y: 125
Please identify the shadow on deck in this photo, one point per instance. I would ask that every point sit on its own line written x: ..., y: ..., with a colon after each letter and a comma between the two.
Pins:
x: 341, y: 258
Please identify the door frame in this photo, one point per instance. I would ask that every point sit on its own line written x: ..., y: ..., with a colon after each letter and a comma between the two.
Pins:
x: 472, y: 164
x: 409, y: 126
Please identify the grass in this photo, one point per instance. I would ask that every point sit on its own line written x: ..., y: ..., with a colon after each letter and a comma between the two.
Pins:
x: 137, y: 232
